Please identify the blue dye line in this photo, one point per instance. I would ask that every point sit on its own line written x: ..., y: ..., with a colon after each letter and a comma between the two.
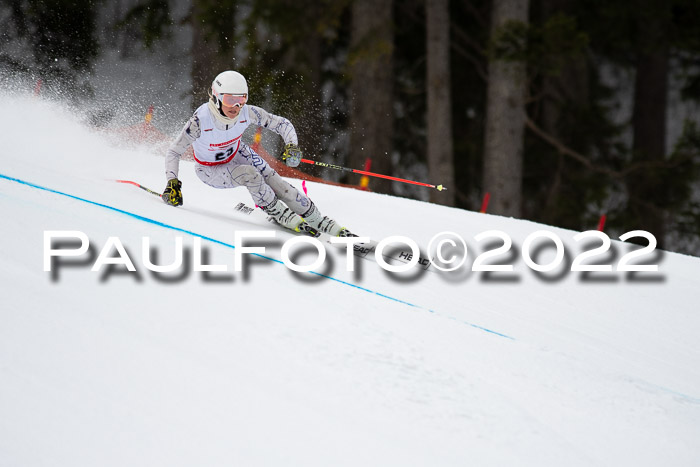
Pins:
x: 672, y: 392
x: 228, y: 245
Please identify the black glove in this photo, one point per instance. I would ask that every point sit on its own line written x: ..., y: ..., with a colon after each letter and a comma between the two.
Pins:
x: 172, y: 194
x: 292, y: 155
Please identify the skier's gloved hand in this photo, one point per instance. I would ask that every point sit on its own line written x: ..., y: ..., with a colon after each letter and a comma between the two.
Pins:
x: 172, y: 194
x: 292, y: 155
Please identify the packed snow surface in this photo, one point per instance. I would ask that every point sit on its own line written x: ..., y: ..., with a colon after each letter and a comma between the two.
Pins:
x: 267, y: 366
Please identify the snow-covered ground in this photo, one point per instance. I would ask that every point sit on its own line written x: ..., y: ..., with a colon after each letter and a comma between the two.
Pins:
x: 271, y: 367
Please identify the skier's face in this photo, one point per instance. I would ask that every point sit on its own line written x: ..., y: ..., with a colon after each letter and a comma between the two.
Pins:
x: 231, y: 104
x: 231, y: 112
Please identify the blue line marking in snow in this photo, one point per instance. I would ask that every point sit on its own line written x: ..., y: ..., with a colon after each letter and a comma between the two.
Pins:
x: 672, y: 392
x: 228, y: 245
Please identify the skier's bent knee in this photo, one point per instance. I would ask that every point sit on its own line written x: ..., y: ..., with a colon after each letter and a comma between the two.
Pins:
x: 246, y: 175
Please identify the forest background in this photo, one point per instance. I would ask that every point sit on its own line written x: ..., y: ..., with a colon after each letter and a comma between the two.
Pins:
x: 561, y: 110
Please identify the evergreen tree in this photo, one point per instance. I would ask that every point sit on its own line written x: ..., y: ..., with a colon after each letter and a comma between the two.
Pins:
x: 370, y: 64
x: 440, y: 159
x: 505, y: 112
x: 51, y: 41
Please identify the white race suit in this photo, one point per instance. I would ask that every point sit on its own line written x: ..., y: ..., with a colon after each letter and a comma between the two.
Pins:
x: 222, y: 160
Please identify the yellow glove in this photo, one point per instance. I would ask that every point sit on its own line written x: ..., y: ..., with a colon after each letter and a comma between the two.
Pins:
x: 173, y: 194
x: 292, y: 155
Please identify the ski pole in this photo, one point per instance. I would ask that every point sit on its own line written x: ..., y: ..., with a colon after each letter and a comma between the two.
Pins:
x: 371, y: 174
x: 140, y: 186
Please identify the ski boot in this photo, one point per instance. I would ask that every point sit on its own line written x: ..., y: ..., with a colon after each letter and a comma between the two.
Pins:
x: 325, y: 224
x: 282, y: 215
x: 346, y: 233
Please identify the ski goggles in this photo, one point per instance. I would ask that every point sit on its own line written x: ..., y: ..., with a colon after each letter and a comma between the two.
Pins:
x: 232, y: 100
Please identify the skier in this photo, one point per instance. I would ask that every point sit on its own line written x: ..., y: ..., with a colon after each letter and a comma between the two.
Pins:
x: 224, y: 161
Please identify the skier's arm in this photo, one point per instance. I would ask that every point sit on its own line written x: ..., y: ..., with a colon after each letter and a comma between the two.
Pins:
x: 279, y: 125
x: 190, y: 132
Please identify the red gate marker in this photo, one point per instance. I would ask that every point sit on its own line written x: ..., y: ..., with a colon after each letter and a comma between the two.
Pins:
x: 485, y: 203
x: 601, y: 223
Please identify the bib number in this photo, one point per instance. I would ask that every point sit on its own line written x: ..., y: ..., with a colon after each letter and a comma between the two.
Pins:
x: 219, y: 156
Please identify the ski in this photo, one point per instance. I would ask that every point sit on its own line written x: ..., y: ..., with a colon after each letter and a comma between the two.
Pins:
x: 364, y: 250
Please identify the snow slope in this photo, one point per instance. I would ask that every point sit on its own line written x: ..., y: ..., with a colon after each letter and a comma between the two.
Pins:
x: 272, y: 367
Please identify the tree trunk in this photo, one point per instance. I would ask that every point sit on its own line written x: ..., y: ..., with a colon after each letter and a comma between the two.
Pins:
x: 208, y: 58
x: 440, y: 154
x: 649, y: 123
x: 311, y: 129
x: 371, y: 89
x: 569, y: 86
x: 505, y: 119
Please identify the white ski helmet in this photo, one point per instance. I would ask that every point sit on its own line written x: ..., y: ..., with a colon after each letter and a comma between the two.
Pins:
x: 229, y: 83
